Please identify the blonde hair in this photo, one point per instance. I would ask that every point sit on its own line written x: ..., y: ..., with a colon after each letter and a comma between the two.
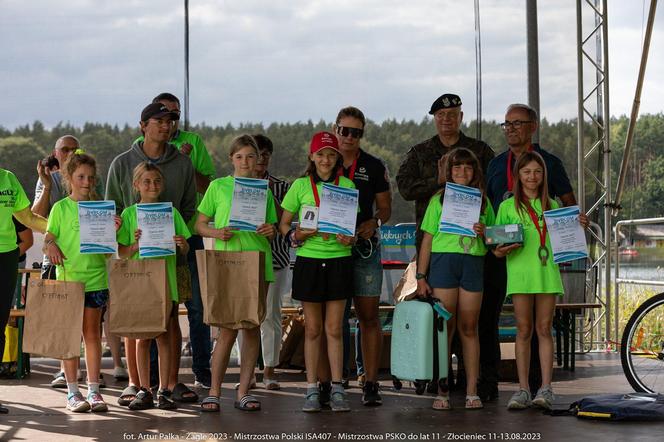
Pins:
x: 74, y: 161
x: 142, y: 168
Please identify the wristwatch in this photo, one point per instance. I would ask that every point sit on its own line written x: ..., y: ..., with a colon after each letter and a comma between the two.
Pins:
x: 419, y: 276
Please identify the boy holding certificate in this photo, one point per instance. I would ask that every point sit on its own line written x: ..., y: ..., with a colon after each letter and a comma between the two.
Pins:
x: 454, y: 264
x: 217, y: 205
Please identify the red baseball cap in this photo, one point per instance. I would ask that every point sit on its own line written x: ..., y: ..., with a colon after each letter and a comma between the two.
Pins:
x: 324, y: 140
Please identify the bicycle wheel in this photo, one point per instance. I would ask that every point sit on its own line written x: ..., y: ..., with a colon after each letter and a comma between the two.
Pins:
x: 642, y: 350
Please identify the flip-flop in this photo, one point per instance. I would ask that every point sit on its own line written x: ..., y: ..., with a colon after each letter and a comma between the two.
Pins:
x: 444, y: 403
x: 181, y: 390
x: 243, y: 403
x: 473, y: 403
x: 128, y: 395
x: 213, y: 401
x: 271, y: 384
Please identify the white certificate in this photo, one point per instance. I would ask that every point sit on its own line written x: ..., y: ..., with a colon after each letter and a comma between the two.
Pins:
x: 338, y: 210
x: 155, y: 220
x: 97, y: 227
x: 461, y: 209
x: 568, y: 240
x: 249, y: 204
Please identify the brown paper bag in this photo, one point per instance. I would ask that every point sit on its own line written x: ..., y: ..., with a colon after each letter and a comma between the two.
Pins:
x: 233, y: 288
x: 54, y: 318
x: 407, y: 285
x: 139, y: 302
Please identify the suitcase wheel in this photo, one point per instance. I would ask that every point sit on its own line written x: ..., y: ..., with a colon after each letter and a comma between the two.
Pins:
x: 432, y: 387
x: 397, y: 383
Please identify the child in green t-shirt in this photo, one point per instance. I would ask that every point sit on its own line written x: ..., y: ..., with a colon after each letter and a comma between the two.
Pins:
x: 148, y: 182
x: 455, y: 267
x: 323, y: 273
x: 62, y: 245
x: 533, y: 279
x: 216, y: 205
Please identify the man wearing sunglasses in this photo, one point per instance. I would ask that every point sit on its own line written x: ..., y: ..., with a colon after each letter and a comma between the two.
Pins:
x: 519, y: 127
x: 420, y: 174
x: 192, y: 145
x: 375, y: 203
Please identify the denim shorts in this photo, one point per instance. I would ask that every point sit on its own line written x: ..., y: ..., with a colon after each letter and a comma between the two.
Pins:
x: 96, y: 299
x: 367, y: 272
x: 452, y: 270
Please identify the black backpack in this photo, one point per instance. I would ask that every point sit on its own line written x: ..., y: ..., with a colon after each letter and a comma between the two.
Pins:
x: 618, y: 407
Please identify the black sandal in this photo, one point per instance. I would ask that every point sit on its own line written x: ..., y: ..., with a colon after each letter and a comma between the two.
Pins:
x: 127, y: 395
x: 243, y: 403
x: 3, y: 409
x: 165, y: 401
x: 182, y: 393
x: 143, y: 401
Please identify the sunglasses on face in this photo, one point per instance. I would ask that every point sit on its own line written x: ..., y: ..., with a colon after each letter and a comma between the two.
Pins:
x: 354, y: 132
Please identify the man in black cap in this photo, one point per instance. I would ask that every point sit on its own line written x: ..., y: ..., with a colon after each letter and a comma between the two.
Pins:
x: 420, y: 174
x: 157, y: 123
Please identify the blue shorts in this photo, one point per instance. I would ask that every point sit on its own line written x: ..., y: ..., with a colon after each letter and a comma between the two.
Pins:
x: 367, y: 271
x: 453, y: 270
x: 96, y: 299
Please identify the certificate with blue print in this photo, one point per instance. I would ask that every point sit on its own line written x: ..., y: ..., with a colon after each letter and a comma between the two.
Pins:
x: 249, y: 204
x: 461, y: 209
x: 97, y: 227
x: 568, y: 240
x: 338, y: 210
x: 155, y: 221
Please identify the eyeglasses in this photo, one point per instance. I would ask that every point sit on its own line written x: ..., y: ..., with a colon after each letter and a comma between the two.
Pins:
x: 516, y: 124
x: 346, y: 131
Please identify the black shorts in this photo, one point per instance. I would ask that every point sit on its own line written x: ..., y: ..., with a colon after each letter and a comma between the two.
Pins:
x: 321, y: 280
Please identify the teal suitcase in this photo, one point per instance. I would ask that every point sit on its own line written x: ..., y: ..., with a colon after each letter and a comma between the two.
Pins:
x: 412, y: 351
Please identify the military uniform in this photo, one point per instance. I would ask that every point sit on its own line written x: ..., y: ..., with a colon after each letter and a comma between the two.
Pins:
x: 417, y: 178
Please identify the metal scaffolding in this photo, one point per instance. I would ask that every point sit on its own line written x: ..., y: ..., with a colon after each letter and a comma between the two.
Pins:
x: 594, y: 173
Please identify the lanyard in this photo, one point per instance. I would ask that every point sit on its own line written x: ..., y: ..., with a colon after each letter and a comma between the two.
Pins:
x: 542, y: 252
x: 510, y: 177
x: 314, y: 189
x: 351, y: 172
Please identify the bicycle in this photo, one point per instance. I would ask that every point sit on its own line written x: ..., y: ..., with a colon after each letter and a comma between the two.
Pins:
x: 642, y: 349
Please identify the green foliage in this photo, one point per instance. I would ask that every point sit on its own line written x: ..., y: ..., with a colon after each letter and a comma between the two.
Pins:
x: 389, y: 140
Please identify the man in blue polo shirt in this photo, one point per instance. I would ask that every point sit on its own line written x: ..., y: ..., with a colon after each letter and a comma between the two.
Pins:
x: 519, y: 127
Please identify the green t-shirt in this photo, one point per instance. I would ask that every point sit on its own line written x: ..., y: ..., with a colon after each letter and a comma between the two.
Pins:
x: 89, y: 269
x: 217, y: 203
x: 200, y: 159
x: 525, y: 273
x: 448, y: 242
x: 12, y: 199
x: 300, y: 194
x: 126, y: 238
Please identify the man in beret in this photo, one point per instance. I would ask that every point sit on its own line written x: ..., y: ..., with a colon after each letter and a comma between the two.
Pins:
x: 420, y: 175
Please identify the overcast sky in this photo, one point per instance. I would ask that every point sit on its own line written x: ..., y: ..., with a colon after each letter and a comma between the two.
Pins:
x: 293, y: 60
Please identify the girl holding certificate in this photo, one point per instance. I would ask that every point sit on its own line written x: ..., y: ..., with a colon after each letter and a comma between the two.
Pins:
x: 148, y: 182
x: 216, y: 205
x: 455, y: 268
x: 533, y: 279
x: 62, y: 245
x: 323, y: 272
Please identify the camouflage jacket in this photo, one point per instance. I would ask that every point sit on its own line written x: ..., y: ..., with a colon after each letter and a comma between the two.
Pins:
x: 417, y: 178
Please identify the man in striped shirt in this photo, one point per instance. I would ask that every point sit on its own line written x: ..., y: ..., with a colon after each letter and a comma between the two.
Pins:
x: 271, y: 327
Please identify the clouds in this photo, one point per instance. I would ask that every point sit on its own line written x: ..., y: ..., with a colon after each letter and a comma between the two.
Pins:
x: 253, y: 60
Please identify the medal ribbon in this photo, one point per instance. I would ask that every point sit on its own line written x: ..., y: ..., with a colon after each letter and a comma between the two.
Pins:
x: 542, y: 234
x: 314, y: 189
